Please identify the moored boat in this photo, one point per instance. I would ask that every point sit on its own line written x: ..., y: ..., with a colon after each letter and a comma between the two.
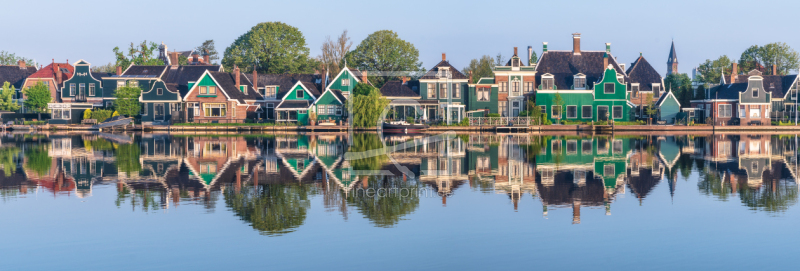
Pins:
x: 402, y: 127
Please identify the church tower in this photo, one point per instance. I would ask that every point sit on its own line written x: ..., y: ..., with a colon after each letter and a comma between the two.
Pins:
x: 672, y: 61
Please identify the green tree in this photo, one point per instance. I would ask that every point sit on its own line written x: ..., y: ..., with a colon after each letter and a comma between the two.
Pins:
x: 700, y: 92
x: 208, y: 46
x: 37, y: 97
x: 534, y: 58
x: 111, y: 67
x: 750, y: 59
x: 143, y: 54
x: 87, y: 114
x: 711, y: 70
x: 781, y: 55
x: 651, y: 107
x: 271, y: 47
x: 7, y: 58
x: 38, y: 160
x: 127, y: 102
x: 367, y: 107
x: 482, y: 67
x: 384, y: 51
x: 558, y: 101
x: 272, y: 209
x: 7, y: 102
x: 387, y: 209
x: 681, y: 86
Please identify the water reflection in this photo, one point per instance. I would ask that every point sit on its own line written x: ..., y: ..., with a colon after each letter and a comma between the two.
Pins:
x: 269, y: 181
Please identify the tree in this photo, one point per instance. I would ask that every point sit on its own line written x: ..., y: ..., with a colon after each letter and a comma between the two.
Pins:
x: 127, y: 156
x: 750, y: 59
x: 143, y: 54
x: 271, y: 47
x: 700, y: 93
x: 334, y: 52
x: 38, y: 160
x: 780, y: 54
x: 87, y: 114
x: 127, y: 102
x: 366, y: 107
x: 534, y: 58
x: 711, y: 70
x: 558, y: 101
x: 651, y: 107
x: 7, y: 58
x: 37, y: 97
x: 384, y: 51
x: 7, y: 102
x: 208, y: 46
x: 499, y: 60
x: 7, y: 157
x: 272, y: 209
x: 111, y: 67
x: 681, y: 86
x: 480, y: 68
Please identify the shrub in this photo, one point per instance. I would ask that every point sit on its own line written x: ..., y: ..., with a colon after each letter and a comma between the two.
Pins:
x: 115, y: 114
x: 87, y: 114
x: 100, y: 114
x: 410, y: 119
x: 494, y: 115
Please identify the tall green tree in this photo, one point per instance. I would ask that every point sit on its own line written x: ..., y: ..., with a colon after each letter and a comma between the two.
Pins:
x: 127, y: 102
x: 558, y: 101
x: 142, y: 54
x: 208, y: 46
x: 481, y: 67
x: 110, y: 67
x: 781, y: 55
x: 384, y: 51
x: 271, y: 47
x: 273, y: 209
x: 37, y: 97
x: 711, y: 70
x: 681, y: 86
x: 7, y: 102
x: 7, y: 58
x: 367, y: 106
x: 750, y: 59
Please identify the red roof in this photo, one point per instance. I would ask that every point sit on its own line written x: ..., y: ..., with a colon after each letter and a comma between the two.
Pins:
x: 50, y: 71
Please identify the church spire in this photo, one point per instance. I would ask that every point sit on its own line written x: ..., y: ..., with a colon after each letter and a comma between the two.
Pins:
x: 672, y: 61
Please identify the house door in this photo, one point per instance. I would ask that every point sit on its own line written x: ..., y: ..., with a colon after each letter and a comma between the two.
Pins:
x: 190, y: 114
x: 431, y: 113
x: 602, y: 113
x: 158, y: 110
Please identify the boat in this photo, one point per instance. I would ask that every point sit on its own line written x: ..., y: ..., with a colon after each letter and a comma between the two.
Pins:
x: 113, y: 122
x: 402, y: 127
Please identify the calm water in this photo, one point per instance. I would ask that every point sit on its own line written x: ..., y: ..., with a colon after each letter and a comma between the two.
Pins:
x: 335, y: 201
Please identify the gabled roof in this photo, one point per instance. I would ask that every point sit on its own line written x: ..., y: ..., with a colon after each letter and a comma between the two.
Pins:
x: 145, y: 70
x: 50, y: 71
x: 564, y: 65
x: 285, y: 81
x: 294, y: 104
x: 644, y: 74
x: 664, y: 98
x: 486, y: 81
x: 727, y: 91
x: 396, y: 88
x: 179, y: 78
x: 455, y: 73
x: 673, y: 56
x: 227, y: 83
x: 15, y: 75
x: 312, y: 88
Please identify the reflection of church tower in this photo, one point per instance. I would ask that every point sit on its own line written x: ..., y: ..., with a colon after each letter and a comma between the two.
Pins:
x: 672, y: 61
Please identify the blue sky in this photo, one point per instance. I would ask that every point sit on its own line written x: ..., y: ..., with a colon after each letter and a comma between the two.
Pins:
x: 463, y: 29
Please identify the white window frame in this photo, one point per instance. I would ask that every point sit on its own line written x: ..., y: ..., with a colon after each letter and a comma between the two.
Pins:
x: 591, y: 112
x: 72, y: 89
x: 159, y: 91
x: 548, y: 79
x: 621, y: 112
x: 605, y: 89
x: 91, y: 89
x: 456, y: 90
x: 577, y: 80
x: 345, y: 82
x: 443, y: 90
x: 576, y: 112
x: 300, y: 94
x: 755, y: 92
x: 720, y: 111
x: 432, y: 90
x: 552, y: 115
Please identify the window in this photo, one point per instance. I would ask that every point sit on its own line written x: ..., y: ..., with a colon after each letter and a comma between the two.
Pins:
x: 543, y: 109
x: 608, y: 170
x: 572, y: 111
x: 216, y: 148
x: 502, y: 106
x: 144, y: 109
x: 755, y: 92
x: 346, y: 82
x: 339, y: 110
x: 302, y: 112
x: 159, y: 91
x: 555, y: 146
x: 789, y: 107
x: 300, y: 93
x: 484, y: 93
x: 503, y: 86
x: 269, y: 92
x: 555, y: 111
x: 794, y: 95
x: 755, y: 113
x: 331, y: 109
x: 586, y: 146
x: 133, y: 83
x: 635, y: 88
x: 120, y: 83
x: 82, y: 89
x: 456, y: 90
x: 741, y: 111
x: 91, y: 89
x: 656, y: 90
x: 61, y: 114
x: 72, y: 89
x: 270, y: 111
x: 515, y: 87
x: 617, y: 146
x: 515, y: 62
x: 431, y: 90
x: 47, y: 84
x: 724, y: 111
x: 442, y: 90
x: 691, y: 113
x: 528, y: 87
x: 617, y: 112
x: 586, y: 112
x: 547, y: 82
x: 214, y: 109
x: 212, y: 90
x: 608, y: 88
x: 580, y: 82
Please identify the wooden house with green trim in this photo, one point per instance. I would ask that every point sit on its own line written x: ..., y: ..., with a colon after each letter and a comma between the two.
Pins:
x: 669, y: 108
x: 591, y: 86
x: 221, y: 97
x: 296, y: 103
x: 330, y: 107
x: 346, y: 80
x: 444, y: 90
x: 483, y: 97
x: 274, y: 86
x: 515, y: 82
x: 161, y: 103
x: 82, y: 90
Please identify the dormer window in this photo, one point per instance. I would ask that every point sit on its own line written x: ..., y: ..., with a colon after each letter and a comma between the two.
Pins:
x: 656, y: 90
x: 579, y: 82
x: 621, y: 79
x: 547, y: 81
x: 515, y: 62
x: 444, y: 72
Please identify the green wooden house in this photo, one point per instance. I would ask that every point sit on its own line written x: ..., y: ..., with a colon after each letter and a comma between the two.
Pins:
x: 161, y: 103
x: 329, y: 107
x: 82, y: 91
x: 668, y: 108
x: 448, y: 86
x: 296, y: 103
x: 346, y: 80
x: 483, y: 97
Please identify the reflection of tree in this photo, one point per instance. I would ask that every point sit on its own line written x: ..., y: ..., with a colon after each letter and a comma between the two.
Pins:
x: 128, y: 158
x: 367, y: 142
x: 396, y: 199
x: 38, y: 160
x: 772, y: 196
x: 273, y: 209
x: 711, y: 184
x: 7, y: 155
x: 145, y: 197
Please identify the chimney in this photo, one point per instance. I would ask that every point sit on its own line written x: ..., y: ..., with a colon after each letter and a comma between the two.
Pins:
x: 119, y: 70
x: 405, y: 79
x: 236, y: 77
x: 774, y: 69
x: 515, y: 50
x: 544, y: 47
x: 205, y: 57
x: 576, y: 43
x: 470, y: 77
x: 21, y: 64
x: 530, y: 53
x: 605, y: 56
x: 734, y: 73
x: 444, y: 57
x: 255, y: 79
x: 59, y: 76
x: 364, y: 77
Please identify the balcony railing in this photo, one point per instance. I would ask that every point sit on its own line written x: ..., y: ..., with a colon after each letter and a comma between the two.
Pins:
x: 502, y: 121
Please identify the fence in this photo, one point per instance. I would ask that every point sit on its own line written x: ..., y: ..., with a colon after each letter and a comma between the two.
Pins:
x: 502, y: 121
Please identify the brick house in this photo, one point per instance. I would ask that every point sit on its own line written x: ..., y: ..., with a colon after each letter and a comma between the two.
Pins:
x: 221, y: 97
x: 747, y: 103
x: 644, y: 84
x: 52, y: 76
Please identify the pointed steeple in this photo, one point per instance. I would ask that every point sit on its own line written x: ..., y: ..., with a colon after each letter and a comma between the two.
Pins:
x: 672, y: 61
